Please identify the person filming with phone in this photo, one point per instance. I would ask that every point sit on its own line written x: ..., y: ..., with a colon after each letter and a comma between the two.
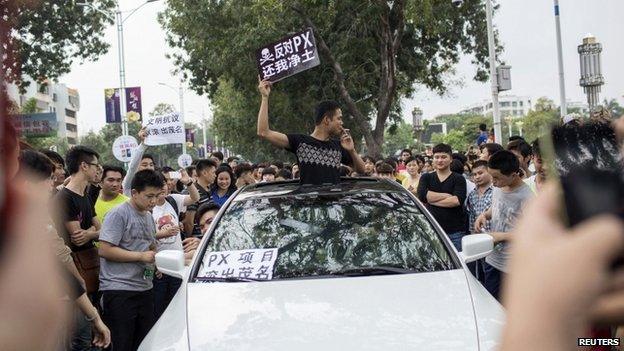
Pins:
x: 320, y: 154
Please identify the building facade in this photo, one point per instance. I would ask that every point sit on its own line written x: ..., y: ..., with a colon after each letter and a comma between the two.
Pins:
x: 52, y: 97
x: 509, y: 105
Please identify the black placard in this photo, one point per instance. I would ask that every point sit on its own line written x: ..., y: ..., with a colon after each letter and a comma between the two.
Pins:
x: 287, y: 56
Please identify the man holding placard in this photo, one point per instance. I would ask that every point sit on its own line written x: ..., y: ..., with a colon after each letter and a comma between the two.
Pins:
x: 319, y: 155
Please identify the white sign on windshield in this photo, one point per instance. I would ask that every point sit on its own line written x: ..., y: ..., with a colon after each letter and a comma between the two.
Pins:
x: 254, y: 264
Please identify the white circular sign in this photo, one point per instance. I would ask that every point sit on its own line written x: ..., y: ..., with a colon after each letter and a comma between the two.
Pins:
x: 185, y: 160
x: 123, y: 148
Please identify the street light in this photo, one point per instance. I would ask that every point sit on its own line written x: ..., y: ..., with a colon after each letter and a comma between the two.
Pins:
x: 417, y: 124
x: 119, y: 20
x: 562, y: 94
x: 180, y: 92
x: 591, y: 69
x: 489, y: 9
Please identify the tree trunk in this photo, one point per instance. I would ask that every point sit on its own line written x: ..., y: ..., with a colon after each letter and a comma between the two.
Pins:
x: 390, y: 42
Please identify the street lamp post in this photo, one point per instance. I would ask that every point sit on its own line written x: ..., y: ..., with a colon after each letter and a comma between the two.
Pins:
x: 591, y: 69
x: 489, y: 9
x: 119, y: 20
x: 562, y: 94
x: 417, y: 124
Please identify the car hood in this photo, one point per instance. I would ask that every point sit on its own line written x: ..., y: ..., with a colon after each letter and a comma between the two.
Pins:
x: 423, y: 311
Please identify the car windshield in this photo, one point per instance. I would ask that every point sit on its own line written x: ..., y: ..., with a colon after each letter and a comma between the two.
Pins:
x: 324, y: 234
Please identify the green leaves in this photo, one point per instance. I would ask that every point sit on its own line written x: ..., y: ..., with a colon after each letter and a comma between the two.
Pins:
x: 214, y: 42
x: 48, y: 36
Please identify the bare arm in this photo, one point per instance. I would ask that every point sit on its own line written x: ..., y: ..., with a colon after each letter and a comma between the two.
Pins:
x: 276, y: 138
x: 117, y: 254
x: 193, y: 195
x: 448, y: 202
x: 433, y: 197
x: 189, y: 222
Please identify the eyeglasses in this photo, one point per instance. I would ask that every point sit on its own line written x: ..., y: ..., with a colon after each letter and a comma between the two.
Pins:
x: 94, y: 164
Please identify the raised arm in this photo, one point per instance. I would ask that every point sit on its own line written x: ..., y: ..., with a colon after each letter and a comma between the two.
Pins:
x: 134, y: 163
x: 276, y: 138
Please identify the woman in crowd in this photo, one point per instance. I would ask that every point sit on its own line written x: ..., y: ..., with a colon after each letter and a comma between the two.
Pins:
x: 224, y: 185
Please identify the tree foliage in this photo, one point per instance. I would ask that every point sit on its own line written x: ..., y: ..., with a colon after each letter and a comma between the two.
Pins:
x: 41, y: 39
x: 372, y: 54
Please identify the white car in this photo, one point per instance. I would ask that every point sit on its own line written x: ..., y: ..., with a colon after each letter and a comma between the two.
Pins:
x: 357, y: 266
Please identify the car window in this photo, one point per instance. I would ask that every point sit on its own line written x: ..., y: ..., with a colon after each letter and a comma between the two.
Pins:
x: 323, y: 233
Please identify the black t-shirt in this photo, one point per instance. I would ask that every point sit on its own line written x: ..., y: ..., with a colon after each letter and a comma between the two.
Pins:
x: 452, y: 219
x: 319, y: 161
x: 94, y: 192
x: 204, y: 197
x: 73, y: 207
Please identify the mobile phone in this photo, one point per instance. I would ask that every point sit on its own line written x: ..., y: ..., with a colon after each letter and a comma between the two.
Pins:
x: 586, y: 164
x: 175, y: 175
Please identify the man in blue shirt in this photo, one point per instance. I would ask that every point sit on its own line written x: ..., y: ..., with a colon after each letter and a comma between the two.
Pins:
x: 483, y: 135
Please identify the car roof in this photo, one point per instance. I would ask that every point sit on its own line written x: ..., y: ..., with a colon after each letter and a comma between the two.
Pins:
x: 293, y: 187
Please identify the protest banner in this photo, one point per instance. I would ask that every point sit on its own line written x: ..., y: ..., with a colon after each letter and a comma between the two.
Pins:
x: 287, y: 56
x: 164, y: 129
x: 124, y: 147
x: 133, y: 104
x: 112, y: 105
x: 37, y: 125
x: 256, y: 264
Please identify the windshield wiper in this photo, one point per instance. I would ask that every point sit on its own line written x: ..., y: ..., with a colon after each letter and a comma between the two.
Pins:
x: 227, y: 279
x: 375, y: 270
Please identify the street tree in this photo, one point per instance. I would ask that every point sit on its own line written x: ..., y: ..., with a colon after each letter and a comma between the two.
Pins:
x: 373, y: 53
x: 41, y: 39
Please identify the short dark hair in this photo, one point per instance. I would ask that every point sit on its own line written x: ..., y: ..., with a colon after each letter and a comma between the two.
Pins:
x: 323, y: 108
x: 54, y: 156
x: 385, y: 168
x: 369, y: 158
x: 457, y: 166
x: 459, y: 156
x: 443, y: 148
x: 278, y: 164
x: 208, y: 206
x: 482, y: 127
x: 147, y: 156
x: 232, y: 158
x: 35, y: 164
x: 218, y: 154
x: 521, y: 146
x: 406, y: 150
x: 516, y: 137
x: 166, y: 169
x: 242, y: 168
x: 284, y: 173
x: 505, y: 161
x: 77, y: 155
x: 535, y: 146
x: 391, y: 161
x: 479, y: 163
x: 190, y: 170
x: 147, y: 178
x: 268, y: 170
x: 203, y: 164
x: 492, y: 148
x: 108, y: 168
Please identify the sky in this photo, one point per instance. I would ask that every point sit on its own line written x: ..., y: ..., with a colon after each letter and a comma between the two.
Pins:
x: 526, y: 27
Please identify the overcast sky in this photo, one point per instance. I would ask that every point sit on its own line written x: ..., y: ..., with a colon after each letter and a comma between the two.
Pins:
x: 527, y: 30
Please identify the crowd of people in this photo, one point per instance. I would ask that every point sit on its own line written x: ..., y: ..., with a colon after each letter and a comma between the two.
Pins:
x: 107, y: 224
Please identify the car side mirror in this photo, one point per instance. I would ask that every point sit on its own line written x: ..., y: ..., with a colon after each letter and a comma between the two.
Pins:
x: 476, y: 246
x: 171, y: 262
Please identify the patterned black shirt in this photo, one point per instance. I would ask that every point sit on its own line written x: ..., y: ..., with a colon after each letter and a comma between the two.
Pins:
x: 319, y: 161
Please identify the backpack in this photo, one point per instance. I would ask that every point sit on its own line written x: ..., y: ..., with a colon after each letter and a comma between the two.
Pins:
x: 173, y: 204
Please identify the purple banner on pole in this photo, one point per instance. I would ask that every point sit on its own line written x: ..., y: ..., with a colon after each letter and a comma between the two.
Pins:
x: 113, y: 107
x: 190, y: 135
x: 133, y: 104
